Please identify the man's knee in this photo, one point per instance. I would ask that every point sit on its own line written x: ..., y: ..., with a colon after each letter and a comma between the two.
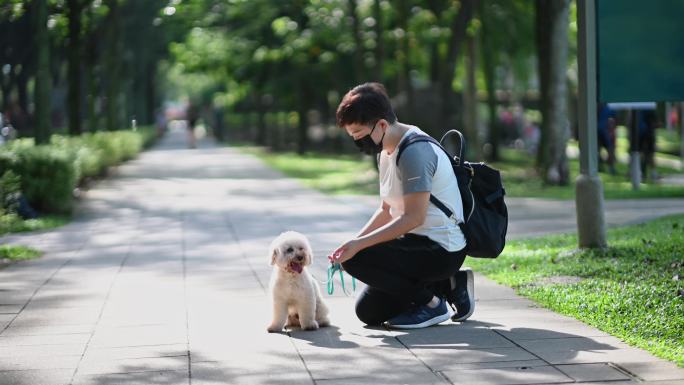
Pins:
x: 352, y: 266
x: 368, y: 314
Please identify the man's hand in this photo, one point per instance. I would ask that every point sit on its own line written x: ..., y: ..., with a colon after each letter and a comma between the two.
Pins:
x: 345, y: 252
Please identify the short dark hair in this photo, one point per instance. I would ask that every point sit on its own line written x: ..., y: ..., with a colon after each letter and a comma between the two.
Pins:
x: 365, y: 103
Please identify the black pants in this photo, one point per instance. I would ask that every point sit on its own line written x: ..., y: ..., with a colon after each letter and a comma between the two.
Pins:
x: 397, y: 274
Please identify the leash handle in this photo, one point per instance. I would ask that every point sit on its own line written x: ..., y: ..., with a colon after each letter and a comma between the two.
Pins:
x: 331, y: 273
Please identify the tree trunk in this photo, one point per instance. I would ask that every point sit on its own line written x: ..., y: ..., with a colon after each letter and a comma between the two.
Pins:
x: 74, y: 8
x: 112, y: 66
x: 404, y: 78
x: 303, y: 110
x: 261, y: 139
x: 380, y: 42
x: 42, y: 82
x: 93, y: 36
x: 470, y: 105
x: 358, y: 49
x: 437, y: 7
x: 458, y: 32
x: 552, y: 18
x: 488, y: 70
x: 150, y: 91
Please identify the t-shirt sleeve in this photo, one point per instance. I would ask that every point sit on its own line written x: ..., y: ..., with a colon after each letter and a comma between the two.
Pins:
x: 417, y: 166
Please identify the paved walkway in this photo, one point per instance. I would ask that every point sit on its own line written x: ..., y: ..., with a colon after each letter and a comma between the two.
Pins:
x: 162, y: 279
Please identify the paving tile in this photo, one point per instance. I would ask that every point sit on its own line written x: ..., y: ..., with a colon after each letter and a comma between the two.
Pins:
x: 180, y: 377
x: 549, y: 329
x: 214, y: 373
x: 586, y: 350
x: 334, y: 337
x: 5, y: 319
x: 28, y: 362
x: 496, y: 364
x: 138, y: 335
x: 131, y: 365
x: 654, y: 371
x: 399, y: 377
x: 442, y: 358
x: 454, y: 335
x: 41, y: 350
x: 36, y: 377
x: 46, y: 330
x: 10, y: 308
x: 51, y: 339
x: 94, y: 354
x: 345, y: 363
x: 593, y: 372
x: 37, y: 316
x: 508, y: 376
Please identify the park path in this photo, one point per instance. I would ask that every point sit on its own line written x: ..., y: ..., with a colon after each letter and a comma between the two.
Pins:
x: 162, y: 279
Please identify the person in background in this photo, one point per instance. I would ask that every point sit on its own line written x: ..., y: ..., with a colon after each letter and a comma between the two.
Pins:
x: 606, y: 127
x: 192, y: 115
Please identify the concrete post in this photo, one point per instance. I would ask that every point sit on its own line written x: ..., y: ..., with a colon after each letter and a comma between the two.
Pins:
x: 591, y: 228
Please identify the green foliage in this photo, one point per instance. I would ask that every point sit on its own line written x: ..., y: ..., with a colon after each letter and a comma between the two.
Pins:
x: 633, y: 289
x: 347, y: 174
x: 50, y: 173
x: 10, y: 253
x: 330, y: 174
x: 10, y: 189
x: 521, y: 180
x: 12, y: 223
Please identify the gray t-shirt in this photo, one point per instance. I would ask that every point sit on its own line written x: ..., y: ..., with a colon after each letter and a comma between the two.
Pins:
x: 417, y: 167
x: 423, y: 167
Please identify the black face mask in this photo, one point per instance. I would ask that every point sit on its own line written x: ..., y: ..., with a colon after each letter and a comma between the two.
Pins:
x: 367, y: 145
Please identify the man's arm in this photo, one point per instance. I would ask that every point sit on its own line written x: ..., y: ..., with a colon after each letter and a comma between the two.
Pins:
x: 415, y: 211
x: 380, y: 218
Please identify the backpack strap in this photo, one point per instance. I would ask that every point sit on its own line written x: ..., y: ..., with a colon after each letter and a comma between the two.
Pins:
x: 413, y: 138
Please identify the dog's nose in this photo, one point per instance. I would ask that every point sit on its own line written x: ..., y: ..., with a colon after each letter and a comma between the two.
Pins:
x: 300, y: 257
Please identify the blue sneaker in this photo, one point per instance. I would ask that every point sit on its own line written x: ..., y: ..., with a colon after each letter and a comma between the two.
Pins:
x: 421, y: 317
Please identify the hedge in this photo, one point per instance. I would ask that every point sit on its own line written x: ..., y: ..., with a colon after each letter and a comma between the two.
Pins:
x: 50, y: 173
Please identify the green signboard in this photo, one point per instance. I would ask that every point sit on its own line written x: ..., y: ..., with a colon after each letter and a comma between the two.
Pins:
x: 640, y: 50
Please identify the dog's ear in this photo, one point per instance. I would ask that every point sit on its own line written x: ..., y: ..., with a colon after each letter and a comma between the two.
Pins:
x: 309, y: 255
x: 274, y: 254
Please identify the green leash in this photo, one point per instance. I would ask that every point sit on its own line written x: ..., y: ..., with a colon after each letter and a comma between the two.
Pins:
x: 331, y: 285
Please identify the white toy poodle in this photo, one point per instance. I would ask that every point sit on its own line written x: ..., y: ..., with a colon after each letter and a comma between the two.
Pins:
x: 296, y: 295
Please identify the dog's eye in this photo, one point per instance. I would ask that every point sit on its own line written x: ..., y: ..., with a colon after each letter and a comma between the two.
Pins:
x: 289, y: 250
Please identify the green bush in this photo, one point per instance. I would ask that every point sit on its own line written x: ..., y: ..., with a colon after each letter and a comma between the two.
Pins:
x: 10, y: 189
x: 50, y: 173
x: 48, y: 176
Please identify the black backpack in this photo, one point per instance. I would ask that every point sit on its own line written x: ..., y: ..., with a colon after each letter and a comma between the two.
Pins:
x: 482, y: 194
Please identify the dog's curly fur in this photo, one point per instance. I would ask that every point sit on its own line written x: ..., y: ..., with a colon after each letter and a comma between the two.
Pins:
x: 295, y: 293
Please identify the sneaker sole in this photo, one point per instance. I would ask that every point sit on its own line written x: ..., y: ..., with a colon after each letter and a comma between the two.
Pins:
x: 471, y: 295
x: 430, y: 322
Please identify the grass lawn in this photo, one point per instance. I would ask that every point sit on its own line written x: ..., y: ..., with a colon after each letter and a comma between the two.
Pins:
x: 13, y: 224
x: 352, y: 174
x: 633, y: 289
x: 329, y: 173
x: 12, y: 253
x: 520, y: 180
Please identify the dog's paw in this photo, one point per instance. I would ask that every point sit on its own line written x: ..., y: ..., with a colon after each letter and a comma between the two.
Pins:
x: 324, y: 322
x: 312, y: 326
x: 274, y: 329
